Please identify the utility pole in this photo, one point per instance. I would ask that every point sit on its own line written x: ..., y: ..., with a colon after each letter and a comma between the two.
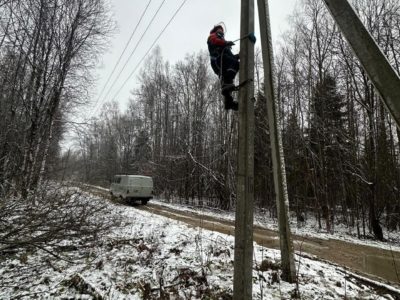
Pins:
x: 380, y: 72
x: 278, y: 161
x: 243, y: 264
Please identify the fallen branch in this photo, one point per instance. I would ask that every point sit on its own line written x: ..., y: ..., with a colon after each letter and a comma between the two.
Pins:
x: 171, y: 285
x: 80, y: 284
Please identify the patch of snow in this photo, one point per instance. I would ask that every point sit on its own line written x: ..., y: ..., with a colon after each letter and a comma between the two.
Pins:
x: 149, y: 254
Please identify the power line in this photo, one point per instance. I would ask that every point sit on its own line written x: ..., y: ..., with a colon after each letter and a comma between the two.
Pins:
x: 148, y: 51
x: 123, y: 52
x: 134, y: 50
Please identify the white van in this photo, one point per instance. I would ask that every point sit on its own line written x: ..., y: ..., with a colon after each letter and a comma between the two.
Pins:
x: 132, y: 187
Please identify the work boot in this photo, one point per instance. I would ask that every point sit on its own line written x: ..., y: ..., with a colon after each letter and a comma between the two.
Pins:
x: 235, y: 106
x: 229, y: 103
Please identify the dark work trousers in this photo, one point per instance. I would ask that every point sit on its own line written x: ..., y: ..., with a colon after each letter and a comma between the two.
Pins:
x: 228, y: 68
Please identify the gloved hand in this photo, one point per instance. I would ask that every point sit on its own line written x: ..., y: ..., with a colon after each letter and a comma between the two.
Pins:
x: 230, y: 44
x: 252, y: 37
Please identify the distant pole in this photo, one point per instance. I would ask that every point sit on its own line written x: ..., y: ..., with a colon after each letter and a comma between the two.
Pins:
x: 243, y: 264
x: 278, y: 161
x: 380, y: 72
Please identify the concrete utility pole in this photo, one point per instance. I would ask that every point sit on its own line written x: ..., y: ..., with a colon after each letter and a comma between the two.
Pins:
x: 278, y: 161
x: 379, y: 70
x: 243, y: 272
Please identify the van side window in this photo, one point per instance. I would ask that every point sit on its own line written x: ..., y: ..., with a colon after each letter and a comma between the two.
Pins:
x: 119, y: 180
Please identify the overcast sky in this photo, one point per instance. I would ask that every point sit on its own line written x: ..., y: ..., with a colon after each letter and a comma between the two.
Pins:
x: 187, y: 33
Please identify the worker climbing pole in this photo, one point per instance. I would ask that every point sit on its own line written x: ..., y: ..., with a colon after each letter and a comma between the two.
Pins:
x: 225, y: 64
x: 380, y: 72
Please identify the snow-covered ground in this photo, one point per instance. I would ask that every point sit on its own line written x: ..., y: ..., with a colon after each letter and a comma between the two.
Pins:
x: 308, y: 228
x: 151, y: 257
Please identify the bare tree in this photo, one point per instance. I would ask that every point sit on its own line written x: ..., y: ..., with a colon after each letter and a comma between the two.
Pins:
x: 49, y: 48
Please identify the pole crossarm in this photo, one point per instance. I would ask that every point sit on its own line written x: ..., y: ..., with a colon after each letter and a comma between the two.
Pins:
x: 376, y: 65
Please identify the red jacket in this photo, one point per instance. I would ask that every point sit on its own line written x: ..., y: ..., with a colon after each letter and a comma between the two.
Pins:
x: 216, y: 43
x: 216, y: 39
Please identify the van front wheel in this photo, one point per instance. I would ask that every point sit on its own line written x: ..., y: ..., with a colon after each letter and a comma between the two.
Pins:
x: 144, y: 201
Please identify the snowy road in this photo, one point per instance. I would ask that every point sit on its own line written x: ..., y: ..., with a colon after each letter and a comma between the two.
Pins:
x: 372, y: 261
x: 159, y: 251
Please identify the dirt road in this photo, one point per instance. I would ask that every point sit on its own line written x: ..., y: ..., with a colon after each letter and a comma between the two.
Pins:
x: 371, y: 261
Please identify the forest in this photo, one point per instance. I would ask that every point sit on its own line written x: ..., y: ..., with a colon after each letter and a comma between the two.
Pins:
x: 341, y: 146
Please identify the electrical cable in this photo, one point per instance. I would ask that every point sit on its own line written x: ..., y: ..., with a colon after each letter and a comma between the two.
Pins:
x: 122, y: 54
x: 134, y: 50
x: 148, y: 51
